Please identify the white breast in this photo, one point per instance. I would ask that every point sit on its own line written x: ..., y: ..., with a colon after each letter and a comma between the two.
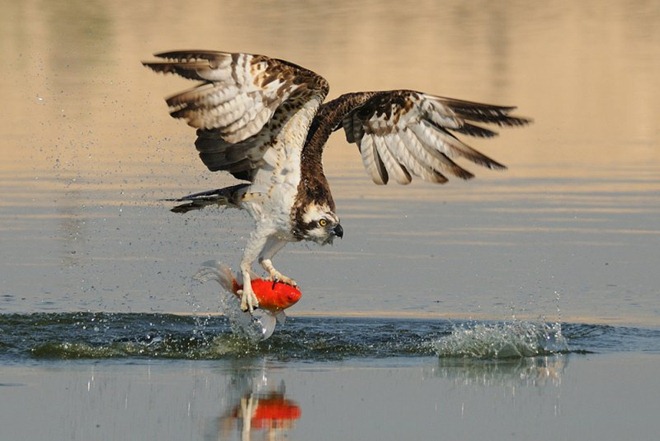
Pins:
x: 277, y: 180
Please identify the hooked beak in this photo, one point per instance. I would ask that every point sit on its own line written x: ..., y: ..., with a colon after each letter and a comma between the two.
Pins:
x: 338, y: 230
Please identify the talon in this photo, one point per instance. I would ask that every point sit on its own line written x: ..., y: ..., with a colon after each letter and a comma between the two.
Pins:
x: 279, y: 277
x: 249, y: 301
x: 244, y: 307
x: 290, y: 282
x: 285, y: 280
x: 249, y: 309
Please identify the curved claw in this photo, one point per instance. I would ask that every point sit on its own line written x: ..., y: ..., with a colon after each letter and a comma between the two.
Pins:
x: 281, y: 278
x: 249, y: 301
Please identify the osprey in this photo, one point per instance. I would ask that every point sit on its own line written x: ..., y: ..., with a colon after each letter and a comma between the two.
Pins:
x: 264, y: 121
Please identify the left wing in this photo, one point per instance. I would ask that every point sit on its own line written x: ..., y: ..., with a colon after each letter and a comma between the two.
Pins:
x: 402, y: 133
x: 240, y: 104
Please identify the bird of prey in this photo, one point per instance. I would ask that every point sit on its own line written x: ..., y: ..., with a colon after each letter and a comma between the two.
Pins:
x: 264, y: 120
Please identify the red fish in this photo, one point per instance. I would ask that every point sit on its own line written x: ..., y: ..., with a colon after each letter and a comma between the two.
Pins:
x: 272, y: 296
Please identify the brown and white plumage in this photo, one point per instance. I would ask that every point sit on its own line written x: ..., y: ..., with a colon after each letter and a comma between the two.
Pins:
x: 264, y: 121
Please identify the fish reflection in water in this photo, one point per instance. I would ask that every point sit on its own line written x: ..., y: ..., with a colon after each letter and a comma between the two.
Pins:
x: 257, y: 408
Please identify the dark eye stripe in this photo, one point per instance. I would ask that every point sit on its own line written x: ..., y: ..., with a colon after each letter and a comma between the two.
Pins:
x: 314, y: 224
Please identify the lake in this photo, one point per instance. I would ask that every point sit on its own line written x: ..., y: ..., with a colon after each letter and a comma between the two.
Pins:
x: 522, y: 304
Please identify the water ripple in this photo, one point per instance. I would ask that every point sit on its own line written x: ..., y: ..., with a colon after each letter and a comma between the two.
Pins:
x: 166, y: 336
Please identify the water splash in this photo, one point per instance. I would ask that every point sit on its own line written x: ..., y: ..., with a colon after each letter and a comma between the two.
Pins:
x: 255, y: 326
x: 167, y: 336
x: 502, y: 340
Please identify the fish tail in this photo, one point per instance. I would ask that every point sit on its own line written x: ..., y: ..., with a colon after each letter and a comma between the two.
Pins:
x: 214, y: 270
x: 280, y: 316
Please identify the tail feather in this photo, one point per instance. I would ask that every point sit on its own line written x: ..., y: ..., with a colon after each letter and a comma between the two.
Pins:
x: 228, y: 196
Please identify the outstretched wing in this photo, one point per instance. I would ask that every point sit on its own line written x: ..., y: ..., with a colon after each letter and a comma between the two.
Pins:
x: 402, y: 133
x: 240, y: 105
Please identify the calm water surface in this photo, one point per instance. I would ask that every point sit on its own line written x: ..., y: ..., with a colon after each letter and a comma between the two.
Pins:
x: 518, y: 305
x: 89, y: 152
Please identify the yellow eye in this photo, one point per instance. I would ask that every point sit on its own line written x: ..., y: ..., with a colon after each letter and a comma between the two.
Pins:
x: 323, y: 222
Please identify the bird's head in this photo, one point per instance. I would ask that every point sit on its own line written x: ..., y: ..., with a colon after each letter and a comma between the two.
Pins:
x: 319, y: 224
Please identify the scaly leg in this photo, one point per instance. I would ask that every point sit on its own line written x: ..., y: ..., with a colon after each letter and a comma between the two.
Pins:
x: 253, y: 249
x: 272, y: 246
x: 249, y: 406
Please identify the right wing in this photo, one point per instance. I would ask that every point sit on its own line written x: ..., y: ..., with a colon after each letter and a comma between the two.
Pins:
x: 405, y: 133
